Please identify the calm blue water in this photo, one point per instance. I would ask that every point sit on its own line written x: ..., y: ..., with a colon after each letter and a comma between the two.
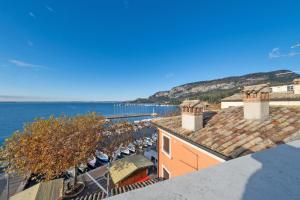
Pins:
x: 14, y: 115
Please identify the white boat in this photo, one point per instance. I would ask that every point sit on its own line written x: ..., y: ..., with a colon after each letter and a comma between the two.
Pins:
x: 131, y: 148
x: 125, y: 150
x: 70, y: 172
x: 145, y: 143
x: 102, y: 156
x: 154, y: 136
x: 92, y: 161
x: 82, y: 168
x: 138, y: 142
x: 154, y: 139
x: 149, y: 143
x: 117, y: 153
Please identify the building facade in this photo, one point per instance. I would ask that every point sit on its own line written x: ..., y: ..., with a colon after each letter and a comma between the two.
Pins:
x: 178, y: 156
x: 283, y: 95
x: 198, y: 138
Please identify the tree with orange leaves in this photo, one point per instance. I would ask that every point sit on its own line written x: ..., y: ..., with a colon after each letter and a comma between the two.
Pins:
x: 48, y: 147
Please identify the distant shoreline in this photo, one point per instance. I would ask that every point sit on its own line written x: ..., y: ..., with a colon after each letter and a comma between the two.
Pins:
x: 117, y: 102
x: 60, y: 102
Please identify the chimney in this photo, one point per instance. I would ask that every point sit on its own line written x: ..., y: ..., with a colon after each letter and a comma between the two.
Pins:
x: 296, y: 86
x: 256, y: 102
x: 192, y: 115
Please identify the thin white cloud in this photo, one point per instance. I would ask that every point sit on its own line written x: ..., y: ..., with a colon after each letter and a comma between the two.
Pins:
x: 49, y: 8
x: 30, y: 43
x: 169, y: 75
x: 275, y: 53
x: 23, y: 64
x: 295, y: 46
x: 31, y: 14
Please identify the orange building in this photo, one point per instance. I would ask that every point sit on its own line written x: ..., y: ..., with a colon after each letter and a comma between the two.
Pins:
x: 178, y: 157
x: 199, y: 139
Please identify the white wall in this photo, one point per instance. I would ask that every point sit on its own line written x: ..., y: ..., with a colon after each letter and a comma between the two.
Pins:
x: 281, y: 88
x: 230, y: 104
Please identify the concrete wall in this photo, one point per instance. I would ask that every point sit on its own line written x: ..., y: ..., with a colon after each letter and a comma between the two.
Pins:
x: 192, y: 122
x: 272, y: 103
x: 256, y: 110
x: 184, y: 157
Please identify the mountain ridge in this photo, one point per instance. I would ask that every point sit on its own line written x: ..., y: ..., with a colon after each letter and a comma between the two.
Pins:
x: 216, y: 89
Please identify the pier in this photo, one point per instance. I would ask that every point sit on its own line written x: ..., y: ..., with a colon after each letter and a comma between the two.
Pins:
x: 132, y: 115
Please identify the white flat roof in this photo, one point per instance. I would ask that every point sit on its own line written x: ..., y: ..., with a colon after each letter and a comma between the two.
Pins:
x: 271, y: 174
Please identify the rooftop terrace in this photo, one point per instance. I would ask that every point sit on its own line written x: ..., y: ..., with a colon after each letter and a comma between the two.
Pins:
x: 270, y: 174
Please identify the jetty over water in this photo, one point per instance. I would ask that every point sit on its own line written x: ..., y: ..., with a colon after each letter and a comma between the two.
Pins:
x: 132, y: 115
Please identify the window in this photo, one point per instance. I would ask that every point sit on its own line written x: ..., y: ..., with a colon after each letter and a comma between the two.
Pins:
x: 290, y: 88
x: 166, y: 174
x: 166, y: 145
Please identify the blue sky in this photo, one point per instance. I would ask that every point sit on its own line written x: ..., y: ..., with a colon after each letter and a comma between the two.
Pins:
x: 124, y: 49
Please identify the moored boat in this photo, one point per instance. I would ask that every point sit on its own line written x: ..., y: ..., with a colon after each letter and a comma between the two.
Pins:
x: 102, y: 156
x: 82, y: 168
x: 131, y: 148
x: 92, y: 161
x: 125, y: 150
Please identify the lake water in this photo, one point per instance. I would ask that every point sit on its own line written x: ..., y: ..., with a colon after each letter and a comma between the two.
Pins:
x: 14, y: 115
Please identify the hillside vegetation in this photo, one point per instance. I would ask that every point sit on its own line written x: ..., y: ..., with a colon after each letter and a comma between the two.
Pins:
x: 214, y: 90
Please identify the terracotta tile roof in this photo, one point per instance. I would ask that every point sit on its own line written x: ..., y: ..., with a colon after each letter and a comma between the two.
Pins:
x: 193, y: 104
x: 229, y: 134
x: 119, y: 190
x: 273, y: 97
